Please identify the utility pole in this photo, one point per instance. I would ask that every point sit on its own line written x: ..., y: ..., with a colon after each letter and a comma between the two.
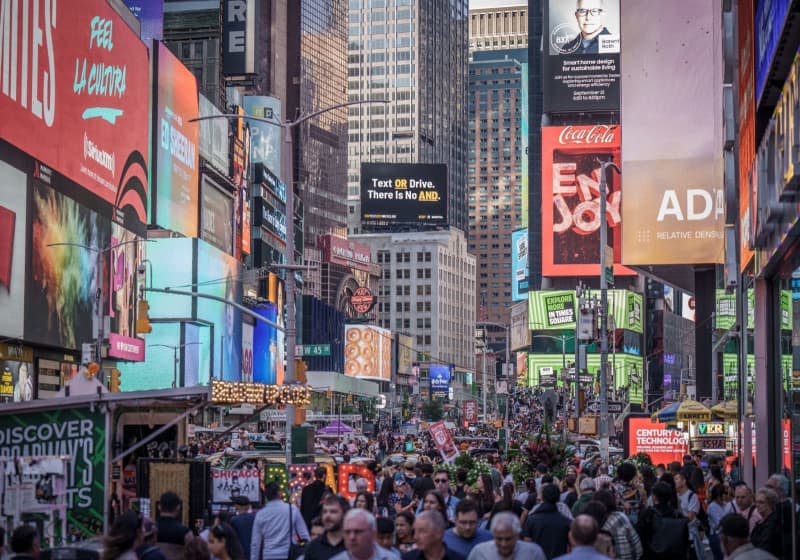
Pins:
x: 604, y: 312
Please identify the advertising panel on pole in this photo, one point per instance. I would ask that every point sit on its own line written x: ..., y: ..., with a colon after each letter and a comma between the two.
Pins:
x: 642, y: 435
x: 265, y: 138
x: 174, y: 204
x: 582, y: 56
x: 247, y: 353
x: 674, y: 207
x: 368, y: 352
x: 150, y: 14
x: 229, y: 484
x: 571, y: 199
x: 470, y: 411
x: 770, y: 17
x: 524, y: 127
x: 74, y: 96
x: 403, y: 194
x: 747, y: 132
x: 124, y: 257
x: 440, y: 375
x: 405, y: 353
x: 78, y: 433
x: 443, y: 440
x: 519, y: 265
x: 13, y: 249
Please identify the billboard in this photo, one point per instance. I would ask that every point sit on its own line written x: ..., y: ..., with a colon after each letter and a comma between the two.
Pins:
x: 571, y: 199
x: 582, y: 56
x: 74, y: 432
x: 470, y: 411
x: 519, y: 265
x: 747, y: 132
x: 769, y: 19
x: 520, y: 332
x: 265, y: 142
x: 405, y: 353
x: 60, y: 299
x: 150, y: 14
x: 346, y: 252
x: 238, y: 37
x: 75, y: 97
x: 265, y: 348
x: 247, y: 352
x: 642, y: 435
x: 440, y: 375
x: 368, y: 352
x: 214, y: 142
x: 625, y: 372
x: 13, y: 249
x: 524, y: 127
x: 674, y: 205
x: 557, y: 309
x: 725, y: 315
x: 125, y: 255
x: 395, y: 194
x: 229, y: 484
x: 174, y: 203
x: 216, y: 223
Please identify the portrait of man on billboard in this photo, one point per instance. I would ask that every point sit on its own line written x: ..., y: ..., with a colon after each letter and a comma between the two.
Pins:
x: 585, y: 28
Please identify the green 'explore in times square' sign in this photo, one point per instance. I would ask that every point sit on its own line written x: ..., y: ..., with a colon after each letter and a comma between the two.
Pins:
x: 77, y: 433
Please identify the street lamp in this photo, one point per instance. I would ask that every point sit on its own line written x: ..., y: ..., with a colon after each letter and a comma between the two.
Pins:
x: 291, y: 315
x: 604, y: 310
x: 174, y: 349
x: 507, y: 328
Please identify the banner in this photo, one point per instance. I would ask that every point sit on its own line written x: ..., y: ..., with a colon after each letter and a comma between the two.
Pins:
x: 75, y: 96
x: 770, y: 17
x: 581, y: 56
x: 227, y: 485
x: 443, y: 440
x: 124, y: 257
x: 674, y: 208
x: 663, y: 445
x: 470, y: 411
x: 571, y: 199
x: 13, y: 249
x: 440, y: 380
x: 75, y: 432
x: 519, y: 265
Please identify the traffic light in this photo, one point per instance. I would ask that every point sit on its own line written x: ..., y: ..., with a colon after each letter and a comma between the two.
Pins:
x: 114, y: 384
x: 143, y: 317
x: 300, y: 369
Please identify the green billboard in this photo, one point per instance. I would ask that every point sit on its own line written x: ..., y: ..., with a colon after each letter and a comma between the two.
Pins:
x: 557, y: 309
x: 76, y: 433
x: 726, y: 310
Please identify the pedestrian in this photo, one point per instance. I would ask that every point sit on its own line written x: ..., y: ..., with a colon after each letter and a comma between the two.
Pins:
x: 734, y: 540
x: 779, y: 484
x: 767, y: 534
x: 718, y: 507
x: 506, y: 543
x: 429, y: 529
x: 360, y: 536
x: 506, y: 503
x: 627, y: 544
x: 243, y: 521
x: 434, y: 501
x: 224, y: 544
x: 364, y: 500
x: 121, y: 542
x: 149, y: 549
x: 196, y: 549
x: 386, y: 535
x: 26, y: 543
x: 586, y: 487
x: 583, y: 533
x: 312, y: 494
x: 331, y: 542
x: 546, y: 526
x: 170, y: 528
x: 663, y: 530
x: 404, y: 531
x: 276, y: 527
x: 744, y: 504
x: 484, y: 494
x: 466, y: 534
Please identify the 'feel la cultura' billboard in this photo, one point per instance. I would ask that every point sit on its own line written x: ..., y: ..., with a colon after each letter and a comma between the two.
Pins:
x: 403, y: 194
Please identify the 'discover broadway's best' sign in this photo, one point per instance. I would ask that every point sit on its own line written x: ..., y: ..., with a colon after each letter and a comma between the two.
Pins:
x: 73, y: 94
x: 74, y: 432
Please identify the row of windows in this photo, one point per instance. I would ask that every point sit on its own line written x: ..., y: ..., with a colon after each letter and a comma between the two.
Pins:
x: 380, y: 70
x: 403, y: 256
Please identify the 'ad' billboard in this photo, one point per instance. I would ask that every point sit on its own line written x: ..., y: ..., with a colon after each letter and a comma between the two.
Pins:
x: 571, y: 199
x: 75, y: 96
x: 674, y: 208
x: 174, y: 204
x: 403, y: 194
x: 440, y: 375
x: 13, y: 249
x: 519, y: 265
x: 747, y: 132
x: 368, y: 352
x: 582, y: 56
x: 265, y: 138
x: 769, y: 19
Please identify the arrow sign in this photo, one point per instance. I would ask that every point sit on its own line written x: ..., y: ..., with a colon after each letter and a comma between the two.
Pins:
x: 614, y: 407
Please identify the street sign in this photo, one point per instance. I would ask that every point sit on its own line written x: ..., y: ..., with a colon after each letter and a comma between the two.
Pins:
x: 316, y: 350
x: 614, y: 407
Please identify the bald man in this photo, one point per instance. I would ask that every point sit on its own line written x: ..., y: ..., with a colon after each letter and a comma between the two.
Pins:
x: 582, y: 536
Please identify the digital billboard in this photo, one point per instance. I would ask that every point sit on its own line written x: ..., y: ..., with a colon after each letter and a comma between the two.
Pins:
x: 75, y: 96
x: 216, y: 223
x: 524, y: 127
x: 769, y: 19
x: 674, y: 210
x: 440, y: 375
x: 557, y: 309
x: 60, y: 299
x: 125, y: 255
x: 368, y: 352
x: 747, y: 132
x: 725, y: 314
x: 174, y: 203
x: 214, y: 141
x: 520, y: 333
x: 625, y: 372
x: 519, y: 265
x: 150, y: 14
x: 571, y: 199
x: 663, y: 445
x: 265, y: 142
x: 582, y: 56
x: 398, y: 194
x: 13, y: 249
x: 265, y: 347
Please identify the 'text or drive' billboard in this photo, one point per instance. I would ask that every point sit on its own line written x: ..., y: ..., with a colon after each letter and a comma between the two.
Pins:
x: 402, y: 194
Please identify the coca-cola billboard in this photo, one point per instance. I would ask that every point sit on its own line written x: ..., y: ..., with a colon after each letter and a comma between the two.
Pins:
x: 571, y: 199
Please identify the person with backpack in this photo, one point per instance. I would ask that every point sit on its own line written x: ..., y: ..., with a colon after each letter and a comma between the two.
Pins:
x: 663, y: 530
x: 693, y: 510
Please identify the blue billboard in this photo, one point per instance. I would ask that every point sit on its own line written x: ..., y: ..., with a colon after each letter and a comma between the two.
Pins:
x: 519, y: 265
x: 440, y: 380
x: 266, y: 354
x: 770, y: 17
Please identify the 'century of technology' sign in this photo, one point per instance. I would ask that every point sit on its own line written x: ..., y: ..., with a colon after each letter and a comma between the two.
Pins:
x: 394, y: 194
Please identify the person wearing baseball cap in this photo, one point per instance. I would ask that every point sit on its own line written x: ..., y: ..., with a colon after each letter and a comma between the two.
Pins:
x: 242, y: 522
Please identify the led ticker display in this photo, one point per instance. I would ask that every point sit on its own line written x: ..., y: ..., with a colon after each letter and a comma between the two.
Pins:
x: 233, y: 392
x: 396, y: 194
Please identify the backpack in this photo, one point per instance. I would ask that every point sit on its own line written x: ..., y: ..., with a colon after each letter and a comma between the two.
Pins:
x: 669, y: 535
x: 702, y: 516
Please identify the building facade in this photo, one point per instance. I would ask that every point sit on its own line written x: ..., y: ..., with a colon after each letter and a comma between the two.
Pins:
x: 425, y: 291
x: 498, y: 27
x: 412, y: 54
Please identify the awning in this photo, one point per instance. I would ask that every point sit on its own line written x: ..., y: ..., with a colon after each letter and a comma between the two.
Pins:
x: 730, y: 409
x: 340, y: 383
x: 684, y: 411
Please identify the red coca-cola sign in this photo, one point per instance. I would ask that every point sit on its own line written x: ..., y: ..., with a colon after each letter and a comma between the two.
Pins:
x: 587, y: 135
x: 362, y: 300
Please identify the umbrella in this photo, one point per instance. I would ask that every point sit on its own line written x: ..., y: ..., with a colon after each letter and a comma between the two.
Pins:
x: 335, y: 428
x: 730, y: 409
x: 684, y: 411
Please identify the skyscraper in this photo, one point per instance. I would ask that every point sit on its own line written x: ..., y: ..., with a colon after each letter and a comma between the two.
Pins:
x: 413, y: 54
x: 498, y: 27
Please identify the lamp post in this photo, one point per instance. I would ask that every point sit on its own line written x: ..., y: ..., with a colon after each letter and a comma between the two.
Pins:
x: 604, y: 311
x: 291, y: 314
x: 174, y: 349
x: 507, y: 328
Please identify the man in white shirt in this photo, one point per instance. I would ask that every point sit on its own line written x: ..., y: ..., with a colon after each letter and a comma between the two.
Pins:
x: 690, y: 504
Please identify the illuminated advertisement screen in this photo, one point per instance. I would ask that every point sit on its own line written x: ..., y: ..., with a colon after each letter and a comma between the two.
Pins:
x: 265, y: 143
x: 266, y: 353
x: 571, y: 199
x: 13, y: 249
x: 440, y: 376
x: 581, y: 56
x: 75, y: 96
x: 403, y: 193
x: 368, y: 352
x: 642, y: 435
x: 525, y: 138
x: 150, y: 14
x: 557, y: 309
x: 126, y: 254
x: 519, y: 265
x: 770, y: 16
x: 175, y: 145
x: 217, y: 216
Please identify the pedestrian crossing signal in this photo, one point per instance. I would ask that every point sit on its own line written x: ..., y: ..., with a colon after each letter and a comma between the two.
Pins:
x: 143, y: 317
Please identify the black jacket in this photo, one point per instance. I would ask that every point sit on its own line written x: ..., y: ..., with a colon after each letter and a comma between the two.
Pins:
x: 416, y: 554
x: 310, y: 499
x: 767, y: 535
x: 547, y: 528
x: 321, y: 549
x: 644, y: 526
x: 243, y: 525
